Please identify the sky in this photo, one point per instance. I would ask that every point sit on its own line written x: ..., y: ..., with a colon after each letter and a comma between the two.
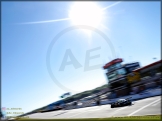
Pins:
x: 45, y: 54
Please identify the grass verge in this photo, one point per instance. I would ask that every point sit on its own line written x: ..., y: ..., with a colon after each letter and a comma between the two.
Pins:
x: 131, y: 118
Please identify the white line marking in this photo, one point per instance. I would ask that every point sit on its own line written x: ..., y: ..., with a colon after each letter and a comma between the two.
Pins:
x: 156, y: 103
x: 144, y: 107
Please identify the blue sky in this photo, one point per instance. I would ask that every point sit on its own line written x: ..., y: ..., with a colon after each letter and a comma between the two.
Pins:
x: 132, y: 27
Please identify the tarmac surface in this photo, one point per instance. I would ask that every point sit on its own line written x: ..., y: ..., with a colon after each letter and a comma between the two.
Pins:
x: 147, y: 106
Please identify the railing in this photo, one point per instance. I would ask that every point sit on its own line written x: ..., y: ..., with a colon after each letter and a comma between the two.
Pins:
x: 92, y: 103
x: 147, y: 82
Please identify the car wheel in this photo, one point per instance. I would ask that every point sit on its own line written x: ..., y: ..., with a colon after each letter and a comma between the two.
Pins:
x: 112, y: 106
x: 130, y: 103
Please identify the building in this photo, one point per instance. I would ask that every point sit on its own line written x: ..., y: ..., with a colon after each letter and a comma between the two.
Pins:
x: 148, y: 76
x: 124, y: 78
x: 117, y: 72
x: 150, y: 70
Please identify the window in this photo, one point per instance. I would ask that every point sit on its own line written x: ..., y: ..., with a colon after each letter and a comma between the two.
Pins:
x: 121, y: 72
x: 130, y: 69
x: 121, y: 100
x: 112, y: 67
x: 112, y: 76
x: 118, y: 65
x: 116, y: 74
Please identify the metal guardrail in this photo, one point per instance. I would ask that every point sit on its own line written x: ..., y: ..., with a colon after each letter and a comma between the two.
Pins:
x: 144, y: 80
x: 135, y: 97
x: 92, y: 103
x: 89, y: 103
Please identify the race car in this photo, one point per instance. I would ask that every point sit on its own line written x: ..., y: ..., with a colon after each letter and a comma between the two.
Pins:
x: 121, y: 102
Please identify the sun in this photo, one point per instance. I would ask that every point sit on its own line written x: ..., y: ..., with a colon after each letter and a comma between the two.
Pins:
x: 86, y: 13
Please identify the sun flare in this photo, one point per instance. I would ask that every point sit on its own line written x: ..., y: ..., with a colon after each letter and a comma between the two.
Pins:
x: 86, y: 13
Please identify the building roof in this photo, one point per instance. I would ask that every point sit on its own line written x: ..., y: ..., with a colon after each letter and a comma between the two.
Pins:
x: 117, y: 60
x: 126, y: 64
x: 122, y: 66
x: 150, y: 65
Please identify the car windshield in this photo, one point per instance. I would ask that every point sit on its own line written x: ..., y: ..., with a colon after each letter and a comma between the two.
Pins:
x: 121, y: 100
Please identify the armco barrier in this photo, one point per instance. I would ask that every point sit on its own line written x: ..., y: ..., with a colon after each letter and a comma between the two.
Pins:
x: 142, y: 95
x: 145, y: 94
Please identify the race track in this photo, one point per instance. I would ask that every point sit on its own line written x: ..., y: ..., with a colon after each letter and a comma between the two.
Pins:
x: 148, y: 106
